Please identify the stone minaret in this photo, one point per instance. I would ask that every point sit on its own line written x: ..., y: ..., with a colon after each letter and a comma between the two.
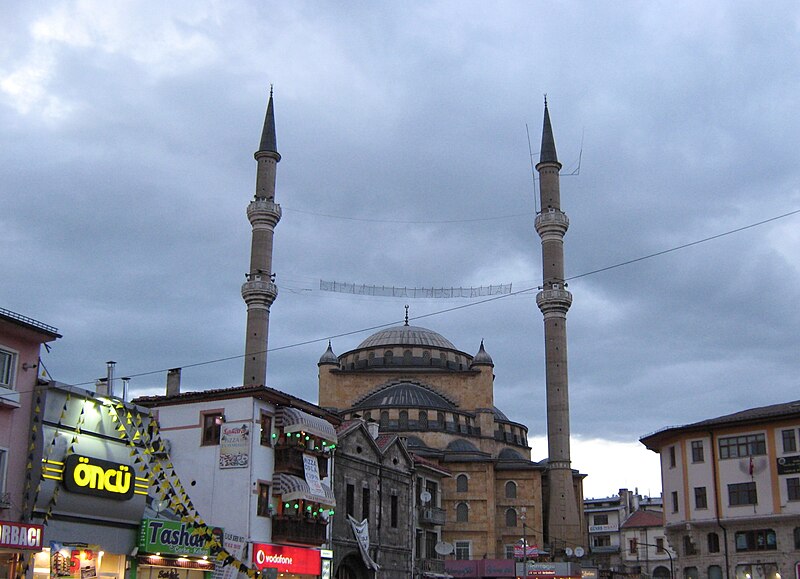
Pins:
x: 563, y: 523
x: 260, y: 291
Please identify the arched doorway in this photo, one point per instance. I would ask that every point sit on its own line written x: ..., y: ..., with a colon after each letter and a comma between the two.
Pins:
x: 352, y: 567
x: 661, y: 572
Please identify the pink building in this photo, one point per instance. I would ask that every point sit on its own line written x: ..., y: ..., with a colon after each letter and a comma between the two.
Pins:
x: 20, y: 341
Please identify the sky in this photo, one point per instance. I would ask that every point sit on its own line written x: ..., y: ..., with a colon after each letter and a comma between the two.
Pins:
x: 406, y: 132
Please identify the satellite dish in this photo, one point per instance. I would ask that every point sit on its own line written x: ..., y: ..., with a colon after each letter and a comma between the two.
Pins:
x: 425, y: 497
x: 579, y: 552
x: 443, y: 548
x: 568, y: 551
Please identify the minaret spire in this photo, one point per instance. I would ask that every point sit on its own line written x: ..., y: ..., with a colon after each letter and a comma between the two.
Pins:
x: 563, y: 522
x: 260, y: 291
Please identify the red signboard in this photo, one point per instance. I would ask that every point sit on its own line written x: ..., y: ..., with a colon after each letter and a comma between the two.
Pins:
x: 287, y: 559
x: 21, y: 536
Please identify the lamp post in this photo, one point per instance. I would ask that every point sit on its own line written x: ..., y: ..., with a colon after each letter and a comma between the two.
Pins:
x: 522, y: 516
x: 671, y: 568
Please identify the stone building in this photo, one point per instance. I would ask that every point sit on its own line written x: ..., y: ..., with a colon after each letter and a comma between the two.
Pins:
x: 414, y: 382
x: 374, y: 479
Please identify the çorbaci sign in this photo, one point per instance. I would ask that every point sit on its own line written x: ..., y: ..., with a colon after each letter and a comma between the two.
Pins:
x: 98, y: 478
x: 161, y: 536
x: 20, y: 536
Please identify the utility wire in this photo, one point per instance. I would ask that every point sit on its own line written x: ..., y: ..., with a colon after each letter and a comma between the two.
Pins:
x: 468, y: 305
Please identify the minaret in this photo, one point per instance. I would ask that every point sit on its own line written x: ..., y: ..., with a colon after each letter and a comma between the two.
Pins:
x: 260, y: 291
x: 563, y: 523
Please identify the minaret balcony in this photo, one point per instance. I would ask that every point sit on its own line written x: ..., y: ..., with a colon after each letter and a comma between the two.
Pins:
x: 263, y: 212
x: 554, y: 298
x: 551, y: 222
x: 259, y: 290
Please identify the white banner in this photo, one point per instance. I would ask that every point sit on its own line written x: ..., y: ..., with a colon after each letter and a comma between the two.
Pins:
x: 234, y: 544
x: 234, y: 446
x: 361, y: 532
x: 312, y: 475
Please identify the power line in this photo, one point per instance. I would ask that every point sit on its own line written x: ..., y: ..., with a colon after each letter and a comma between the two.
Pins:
x: 466, y: 305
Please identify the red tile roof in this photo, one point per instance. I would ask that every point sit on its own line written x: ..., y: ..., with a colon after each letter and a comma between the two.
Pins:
x: 642, y: 518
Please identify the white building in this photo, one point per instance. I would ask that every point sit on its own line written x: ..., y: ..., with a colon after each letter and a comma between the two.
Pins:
x: 732, y: 493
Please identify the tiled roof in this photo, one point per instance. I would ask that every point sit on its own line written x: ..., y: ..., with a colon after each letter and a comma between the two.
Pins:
x: 421, y: 461
x: 642, y: 518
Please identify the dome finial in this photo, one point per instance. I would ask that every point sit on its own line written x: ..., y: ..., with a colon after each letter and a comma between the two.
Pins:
x: 406, y: 315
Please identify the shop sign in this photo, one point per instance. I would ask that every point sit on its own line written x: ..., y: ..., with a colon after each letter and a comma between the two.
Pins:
x: 497, y: 568
x: 72, y: 562
x: 174, y: 537
x: 20, y: 535
x: 234, y: 446
x: 789, y: 464
x: 603, y: 528
x: 98, y: 478
x: 294, y: 560
x: 461, y: 568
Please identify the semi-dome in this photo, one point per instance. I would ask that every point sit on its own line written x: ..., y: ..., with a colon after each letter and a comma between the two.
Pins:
x: 407, y: 336
x: 405, y: 393
x: 461, y: 445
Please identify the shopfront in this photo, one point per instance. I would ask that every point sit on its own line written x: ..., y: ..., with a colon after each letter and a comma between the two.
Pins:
x: 168, y: 550
x: 497, y: 568
x: 17, y: 540
x: 290, y: 562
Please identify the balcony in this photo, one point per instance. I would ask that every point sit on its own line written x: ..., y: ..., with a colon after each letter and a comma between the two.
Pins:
x: 298, y: 530
x: 289, y: 459
x: 430, y: 565
x: 431, y: 516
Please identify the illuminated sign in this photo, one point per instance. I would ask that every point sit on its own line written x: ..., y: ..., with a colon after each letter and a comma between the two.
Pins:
x: 287, y: 559
x: 99, y: 478
x: 20, y: 535
x: 160, y: 536
x: 72, y: 561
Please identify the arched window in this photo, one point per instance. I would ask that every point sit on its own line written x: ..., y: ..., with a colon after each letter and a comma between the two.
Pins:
x: 462, y: 483
x: 443, y: 359
x: 462, y: 513
x: 368, y: 416
x: 511, y: 490
x: 387, y: 357
x: 423, y: 420
x: 511, y: 518
x: 440, y: 420
x: 404, y: 419
x: 407, y: 357
x: 385, y: 419
x: 426, y: 357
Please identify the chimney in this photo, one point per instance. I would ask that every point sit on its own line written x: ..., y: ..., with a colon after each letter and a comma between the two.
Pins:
x: 372, y: 427
x: 110, y: 376
x: 101, y: 386
x: 173, y: 382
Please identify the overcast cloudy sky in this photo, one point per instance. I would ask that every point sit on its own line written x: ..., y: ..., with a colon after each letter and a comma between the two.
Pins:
x: 126, y: 165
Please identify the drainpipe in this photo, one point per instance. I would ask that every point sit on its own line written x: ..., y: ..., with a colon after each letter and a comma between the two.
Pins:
x: 717, y: 500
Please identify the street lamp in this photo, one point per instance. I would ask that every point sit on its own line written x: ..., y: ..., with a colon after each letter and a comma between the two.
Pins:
x: 671, y: 568
x: 523, y: 514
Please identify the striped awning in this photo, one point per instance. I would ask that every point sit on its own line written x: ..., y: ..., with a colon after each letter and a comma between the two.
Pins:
x: 294, y: 420
x: 292, y: 488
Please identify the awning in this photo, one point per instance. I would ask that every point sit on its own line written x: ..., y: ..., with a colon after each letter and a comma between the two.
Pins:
x: 292, y: 488
x: 294, y: 420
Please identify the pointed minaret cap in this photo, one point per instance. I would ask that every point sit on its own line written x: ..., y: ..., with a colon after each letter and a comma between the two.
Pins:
x: 548, y: 151
x: 482, y: 357
x: 269, y: 144
x: 328, y: 357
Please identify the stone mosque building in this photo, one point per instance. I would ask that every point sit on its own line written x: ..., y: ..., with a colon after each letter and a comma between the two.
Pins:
x: 414, y: 382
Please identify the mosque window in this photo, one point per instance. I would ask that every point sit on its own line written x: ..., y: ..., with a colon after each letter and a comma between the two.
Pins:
x: 388, y: 355
x: 368, y: 416
x: 426, y: 357
x: 462, y: 483
x: 385, y: 419
x: 511, y: 518
x: 443, y: 359
x: 423, y: 420
x: 407, y: 357
x: 462, y: 513
x: 440, y: 420
x: 511, y: 490
x: 404, y: 419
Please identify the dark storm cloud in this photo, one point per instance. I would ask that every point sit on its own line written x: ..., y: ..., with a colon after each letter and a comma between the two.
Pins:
x: 127, y: 166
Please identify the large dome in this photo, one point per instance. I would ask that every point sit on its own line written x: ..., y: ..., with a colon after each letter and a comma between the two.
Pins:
x: 405, y: 393
x: 407, y: 336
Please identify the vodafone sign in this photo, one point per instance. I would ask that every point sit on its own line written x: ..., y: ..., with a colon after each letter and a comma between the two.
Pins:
x: 287, y: 559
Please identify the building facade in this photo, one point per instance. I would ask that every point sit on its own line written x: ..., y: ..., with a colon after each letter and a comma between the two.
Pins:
x: 256, y: 462
x: 374, y: 481
x: 20, y: 341
x: 732, y: 493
